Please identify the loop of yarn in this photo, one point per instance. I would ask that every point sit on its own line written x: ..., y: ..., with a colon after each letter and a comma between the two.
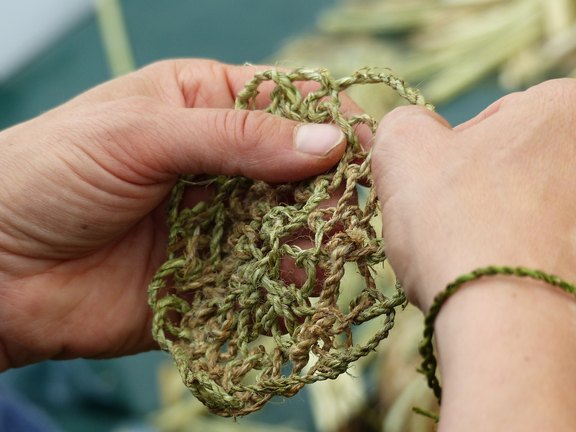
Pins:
x: 238, y: 329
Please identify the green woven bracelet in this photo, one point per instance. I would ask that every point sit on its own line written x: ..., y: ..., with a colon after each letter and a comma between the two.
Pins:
x: 429, y: 362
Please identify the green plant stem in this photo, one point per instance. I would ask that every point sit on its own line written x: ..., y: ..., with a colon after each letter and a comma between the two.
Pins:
x: 114, y: 36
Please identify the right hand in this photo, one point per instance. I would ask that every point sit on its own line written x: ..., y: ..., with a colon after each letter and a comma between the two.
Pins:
x: 496, y: 190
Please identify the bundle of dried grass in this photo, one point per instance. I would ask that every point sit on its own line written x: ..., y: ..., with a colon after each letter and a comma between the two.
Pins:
x: 446, y: 45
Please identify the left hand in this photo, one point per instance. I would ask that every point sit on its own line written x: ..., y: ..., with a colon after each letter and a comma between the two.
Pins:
x: 82, y: 220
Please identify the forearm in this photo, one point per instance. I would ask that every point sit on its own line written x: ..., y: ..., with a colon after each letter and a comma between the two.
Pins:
x: 507, y: 352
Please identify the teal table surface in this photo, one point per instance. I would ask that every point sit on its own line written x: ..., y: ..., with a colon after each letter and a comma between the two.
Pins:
x: 234, y: 31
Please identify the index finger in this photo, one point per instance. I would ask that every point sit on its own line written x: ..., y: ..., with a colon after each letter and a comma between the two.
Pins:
x: 217, y: 85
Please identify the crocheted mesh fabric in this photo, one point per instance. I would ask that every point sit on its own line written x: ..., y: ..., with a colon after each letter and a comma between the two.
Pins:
x: 247, y: 302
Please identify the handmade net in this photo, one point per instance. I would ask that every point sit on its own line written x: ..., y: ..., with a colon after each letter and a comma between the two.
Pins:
x: 239, y: 325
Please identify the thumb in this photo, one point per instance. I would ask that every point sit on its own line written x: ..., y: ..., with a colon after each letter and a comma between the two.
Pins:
x: 237, y: 142
x: 407, y: 158
x: 406, y: 145
x: 414, y: 125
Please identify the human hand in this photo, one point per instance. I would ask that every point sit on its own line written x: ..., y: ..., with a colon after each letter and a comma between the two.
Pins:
x: 82, y: 220
x: 497, y: 190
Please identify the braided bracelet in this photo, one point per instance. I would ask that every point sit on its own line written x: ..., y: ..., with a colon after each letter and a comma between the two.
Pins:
x: 429, y: 362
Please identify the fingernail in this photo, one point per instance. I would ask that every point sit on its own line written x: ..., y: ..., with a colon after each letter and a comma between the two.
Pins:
x: 317, y: 139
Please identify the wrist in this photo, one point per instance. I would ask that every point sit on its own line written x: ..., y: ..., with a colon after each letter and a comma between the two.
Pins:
x: 506, y: 347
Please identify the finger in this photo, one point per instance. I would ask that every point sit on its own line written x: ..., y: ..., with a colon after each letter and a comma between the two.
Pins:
x: 198, y: 83
x: 237, y: 77
x: 410, y: 125
x: 170, y: 141
x: 191, y: 83
x: 197, y: 78
x: 405, y: 142
x: 211, y: 84
x: 407, y: 153
x: 194, y: 83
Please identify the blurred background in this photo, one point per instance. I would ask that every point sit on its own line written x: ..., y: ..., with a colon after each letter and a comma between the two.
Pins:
x: 462, y: 54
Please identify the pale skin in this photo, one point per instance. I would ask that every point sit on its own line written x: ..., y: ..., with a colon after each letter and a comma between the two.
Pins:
x: 82, y: 224
x: 82, y: 220
x: 498, y: 189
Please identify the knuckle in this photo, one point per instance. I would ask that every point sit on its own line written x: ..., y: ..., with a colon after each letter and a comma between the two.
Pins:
x: 160, y: 66
x: 234, y: 126
x: 557, y: 93
x: 142, y: 105
x: 560, y: 86
x: 400, y: 121
x: 245, y: 129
